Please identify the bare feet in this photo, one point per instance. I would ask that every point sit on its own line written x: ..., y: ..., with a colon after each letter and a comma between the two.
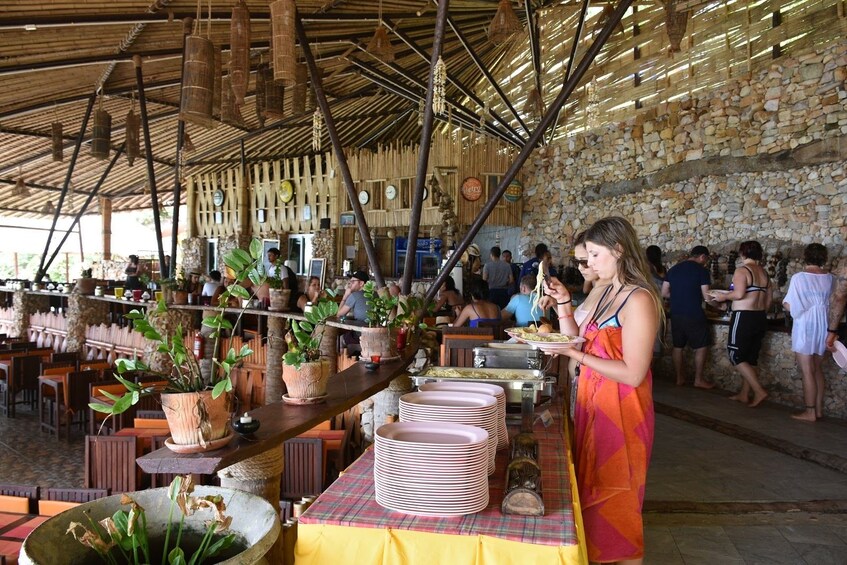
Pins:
x: 704, y: 384
x: 805, y: 415
x: 739, y: 398
x: 758, y: 399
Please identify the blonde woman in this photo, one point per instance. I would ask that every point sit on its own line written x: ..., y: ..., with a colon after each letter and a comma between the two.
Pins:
x: 614, y: 418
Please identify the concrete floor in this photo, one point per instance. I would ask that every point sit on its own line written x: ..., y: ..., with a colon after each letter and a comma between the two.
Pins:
x: 727, y: 484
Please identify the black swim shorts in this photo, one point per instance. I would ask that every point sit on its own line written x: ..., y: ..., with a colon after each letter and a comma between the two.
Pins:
x: 746, y: 332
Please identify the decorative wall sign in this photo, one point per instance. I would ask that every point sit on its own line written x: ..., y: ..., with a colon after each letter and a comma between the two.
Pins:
x: 260, y: 215
x: 391, y: 192
x: 286, y: 191
x: 471, y: 189
x: 364, y: 197
x: 347, y: 219
x: 307, y: 213
x: 218, y: 197
x: 219, y: 217
x: 514, y: 191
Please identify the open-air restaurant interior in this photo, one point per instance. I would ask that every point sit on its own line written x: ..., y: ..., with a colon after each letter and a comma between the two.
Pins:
x: 423, y: 282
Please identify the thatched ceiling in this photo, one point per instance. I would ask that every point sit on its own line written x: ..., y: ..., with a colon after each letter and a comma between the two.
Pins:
x: 55, y: 53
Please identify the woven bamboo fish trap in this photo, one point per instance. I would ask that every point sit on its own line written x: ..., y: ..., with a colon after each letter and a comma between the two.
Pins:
x: 505, y: 23
x: 274, y: 97
x: 198, y: 81
x: 380, y: 45
x: 133, y: 137
x: 101, y: 133
x: 675, y: 25
x: 262, y: 74
x: 283, y: 41
x: 216, y: 92
x: 239, y: 61
x: 58, y: 145
x: 299, y: 92
x: 230, y: 113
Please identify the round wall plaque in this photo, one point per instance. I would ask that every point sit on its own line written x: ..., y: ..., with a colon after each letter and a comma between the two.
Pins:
x: 286, y: 191
x: 218, y: 197
x: 364, y: 197
x: 471, y: 189
x: 514, y: 191
x: 391, y: 192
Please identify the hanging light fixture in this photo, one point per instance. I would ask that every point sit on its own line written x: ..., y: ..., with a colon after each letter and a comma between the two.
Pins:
x: 505, y: 23
x: 380, y: 45
x: 239, y: 57
x: 187, y: 145
x: 283, y: 41
x: 48, y: 208
x: 534, y: 105
x: 58, y: 144
x: 20, y: 190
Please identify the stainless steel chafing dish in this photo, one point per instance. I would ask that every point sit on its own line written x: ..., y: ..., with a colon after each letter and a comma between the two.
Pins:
x: 507, y: 356
x: 510, y: 379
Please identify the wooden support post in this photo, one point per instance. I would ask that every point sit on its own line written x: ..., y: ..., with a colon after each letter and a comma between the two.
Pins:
x: 329, y: 347
x: 340, y: 157
x: 244, y: 221
x: 527, y: 149
x: 423, y: 152
x: 106, y: 213
x: 191, y: 211
x: 274, y: 387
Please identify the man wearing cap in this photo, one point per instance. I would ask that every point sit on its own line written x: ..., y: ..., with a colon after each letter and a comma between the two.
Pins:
x: 353, y: 303
x: 687, y: 286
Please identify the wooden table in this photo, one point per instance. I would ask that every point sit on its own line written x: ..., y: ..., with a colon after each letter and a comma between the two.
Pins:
x: 14, y: 528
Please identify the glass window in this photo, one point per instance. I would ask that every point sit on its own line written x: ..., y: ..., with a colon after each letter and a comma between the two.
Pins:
x: 211, y: 255
x: 299, y: 252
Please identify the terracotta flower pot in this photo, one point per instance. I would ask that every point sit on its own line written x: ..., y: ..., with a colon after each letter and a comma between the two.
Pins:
x: 86, y: 285
x: 195, y: 418
x: 180, y: 297
x: 309, y: 381
x: 378, y: 342
x: 279, y: 299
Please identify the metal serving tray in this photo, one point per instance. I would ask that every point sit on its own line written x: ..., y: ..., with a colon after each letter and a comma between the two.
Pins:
x: 495, y: 356
x: 510, y: 379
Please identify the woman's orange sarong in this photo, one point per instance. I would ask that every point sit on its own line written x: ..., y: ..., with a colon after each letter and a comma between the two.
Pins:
x: 613, y: 432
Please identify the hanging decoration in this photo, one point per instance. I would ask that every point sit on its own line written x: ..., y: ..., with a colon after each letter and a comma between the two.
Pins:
x: 48, y: 208
x: 230, y: 113
x: 380, y: 45
x: 262, y: 74
x: 101, y: 132
x: 70, y: 196
x: 675, y: 24
x: 420, y: 111
x: 273, y: 94
x: 505, y: 23
x: 592, y: 100
x: 198, y: 81
x: 298, y: 92
x: 439, y: 79
x: 187, y: 145
x: 311, y: 94
x: 534, y: 105
x: 21, y: 190
x: 133, y: 134
x: 239, y: 56
x: 58, y: 144
x: 283, y: 13
x: 317, y: 130
x: 216, y: 90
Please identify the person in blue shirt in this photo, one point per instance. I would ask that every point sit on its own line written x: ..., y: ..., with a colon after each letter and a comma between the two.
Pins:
x: 687, y: 286
x: 530, y: 267
x: 520, y: 305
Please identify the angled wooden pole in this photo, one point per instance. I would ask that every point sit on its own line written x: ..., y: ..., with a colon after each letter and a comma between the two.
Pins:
x: 41, y: 268
x: 148, y: 153
x: 320, y: 95
x: 528, y: 148
x: 576, y: 38
x: 423, y: 152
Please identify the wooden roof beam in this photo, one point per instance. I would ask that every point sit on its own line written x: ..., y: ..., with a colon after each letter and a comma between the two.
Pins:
x: 576, y: 38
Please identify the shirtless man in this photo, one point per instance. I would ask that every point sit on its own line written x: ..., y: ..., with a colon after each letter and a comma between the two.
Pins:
x: 837, y: 303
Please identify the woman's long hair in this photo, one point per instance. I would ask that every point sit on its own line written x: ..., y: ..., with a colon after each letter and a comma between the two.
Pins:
x: 617, y: 234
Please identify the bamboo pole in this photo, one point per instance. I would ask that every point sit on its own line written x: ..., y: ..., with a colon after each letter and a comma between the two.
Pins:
x: 106, y: 213
x: 340, y: 157
x: 529, y: 146
x: 42, y: 268
x: 577, y: 36
x: 423, y: 153
x: 180, y: 134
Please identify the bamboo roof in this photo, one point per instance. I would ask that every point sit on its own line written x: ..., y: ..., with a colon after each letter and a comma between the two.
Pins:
x: 57, y: 53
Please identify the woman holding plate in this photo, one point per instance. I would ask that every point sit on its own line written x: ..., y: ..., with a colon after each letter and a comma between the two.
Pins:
x: 613, y: 420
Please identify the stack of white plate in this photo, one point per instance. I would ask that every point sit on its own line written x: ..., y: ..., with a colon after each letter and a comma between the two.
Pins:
x: 431, y: 468
x: 455, y: 407
x: 497, y: 392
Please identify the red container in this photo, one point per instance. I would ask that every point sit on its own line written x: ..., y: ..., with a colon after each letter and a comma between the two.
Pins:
x: 401, y: 338
x: 136, y: 294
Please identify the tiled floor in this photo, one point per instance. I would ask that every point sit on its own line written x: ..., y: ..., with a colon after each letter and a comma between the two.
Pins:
x: 692, y: 464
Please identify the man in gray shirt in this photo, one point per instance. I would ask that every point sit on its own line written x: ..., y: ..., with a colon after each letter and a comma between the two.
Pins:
x: 353, y: 303
x: 498, y: 275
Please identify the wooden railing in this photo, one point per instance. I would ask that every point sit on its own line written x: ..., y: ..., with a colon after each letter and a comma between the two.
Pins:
x: 111, y: 342
x: 49, y: 329
x: 7, y: 320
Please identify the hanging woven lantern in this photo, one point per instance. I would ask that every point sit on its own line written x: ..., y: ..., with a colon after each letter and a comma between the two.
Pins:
x: 187, y: 145
x: 198, y: 81
x: 21, y: 190
x: 48, y: 208
x: 230, y: 113
x: 262, y: 74
x: 675, y: 24
x: 216, y: 89
x: 58, y: 143
x: 101, y: 133
x: 283, y: 13
x: 298, y: 92
x: 274, y: 97
x: 534, y: 105
x: 380, y: 45
x: 505, y: 23
x: 239, y: 56
x: 133, y: 136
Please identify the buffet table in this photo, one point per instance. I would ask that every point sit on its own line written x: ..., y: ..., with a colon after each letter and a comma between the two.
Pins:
x: 346, y: 520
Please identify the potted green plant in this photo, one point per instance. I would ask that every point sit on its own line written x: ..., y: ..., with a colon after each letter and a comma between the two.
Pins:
x: 304, y: 371
x: 85, y: 283
x: 178, y: 524
x: 376, y: 340
x: 279, y: 295
x: 197, y: 406
x: 180, y: 289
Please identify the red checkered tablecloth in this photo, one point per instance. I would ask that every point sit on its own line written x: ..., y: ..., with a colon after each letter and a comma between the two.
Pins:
x: 350, y: 501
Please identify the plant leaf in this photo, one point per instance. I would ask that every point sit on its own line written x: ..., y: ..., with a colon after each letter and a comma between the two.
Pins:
x: 221, y: 387
x: 100, y: 407
x: 256, y: 249
x: 239, y: 291
x: 176, y: 557
x: 218, y: 546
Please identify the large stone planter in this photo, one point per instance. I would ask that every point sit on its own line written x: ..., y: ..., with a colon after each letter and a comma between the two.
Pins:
x: 197, y: 419
x: 309, y: 382
x: 254, y: 521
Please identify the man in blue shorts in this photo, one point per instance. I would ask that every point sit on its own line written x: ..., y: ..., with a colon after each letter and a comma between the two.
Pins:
x: 687, y: 284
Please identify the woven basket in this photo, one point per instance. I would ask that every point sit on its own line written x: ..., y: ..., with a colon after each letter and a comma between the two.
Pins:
x: 675, y: 25
x: 198, y: 81
x: 239, y: 60
x: 216, y: 89
x: 298, y: 92
x: 283, y: 41
x: 274, y: 98
x: 505, y: 23
x: 133, y: 136
x: 101, y: 134
x: 58, y: 143
x: 309, y: 381
x: 230, y: 114
x: 262, y: 74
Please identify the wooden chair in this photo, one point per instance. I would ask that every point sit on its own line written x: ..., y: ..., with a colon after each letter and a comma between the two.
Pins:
x: 110, y: 463
x: 22, y: 377
x: 76, y: 395
x: 31, y: 493
x: 16, y: 504
x: 68, y: 356
x: 78, y: 495
x: 150, y: 423
x: 285, y: 510
x: 53, y: 507
x: 303, y: 471
x: 458, y: 350
x: 150, y: 414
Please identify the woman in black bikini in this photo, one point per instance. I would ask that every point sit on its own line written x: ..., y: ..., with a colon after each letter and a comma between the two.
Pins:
x: 751, y: 297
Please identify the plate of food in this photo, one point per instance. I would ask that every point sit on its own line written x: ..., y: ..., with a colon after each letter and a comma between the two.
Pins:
x: 549, y: 342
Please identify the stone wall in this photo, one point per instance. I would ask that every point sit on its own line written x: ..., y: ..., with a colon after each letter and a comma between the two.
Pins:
x: 25, y: 304
x: 323, y: 245
x: 83, y: 312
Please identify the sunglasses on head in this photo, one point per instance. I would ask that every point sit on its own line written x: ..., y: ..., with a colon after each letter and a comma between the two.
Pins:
x: 581, y: 263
